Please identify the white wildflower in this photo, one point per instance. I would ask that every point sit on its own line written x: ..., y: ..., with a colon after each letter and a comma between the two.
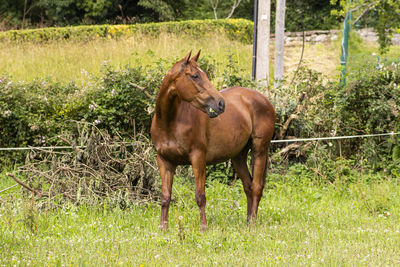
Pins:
x: 84, y: 72
x: 93, y: 106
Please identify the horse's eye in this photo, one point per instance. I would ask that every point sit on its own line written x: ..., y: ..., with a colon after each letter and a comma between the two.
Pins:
x: 195, y: 76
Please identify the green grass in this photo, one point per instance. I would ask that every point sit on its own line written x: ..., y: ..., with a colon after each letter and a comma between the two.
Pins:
x: 299, y: 224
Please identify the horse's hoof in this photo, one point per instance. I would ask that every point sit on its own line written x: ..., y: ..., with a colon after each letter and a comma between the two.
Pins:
x: 203, y: 228
x: 163, y: 227
x: 251, y: 222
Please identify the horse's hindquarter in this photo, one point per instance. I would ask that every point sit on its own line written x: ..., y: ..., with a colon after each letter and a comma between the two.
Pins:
x: 247, y: 114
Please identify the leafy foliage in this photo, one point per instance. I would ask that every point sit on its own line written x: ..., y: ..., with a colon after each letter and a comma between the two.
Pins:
x: 382, y: 15
x: 20, y: 14
x: 369, y: 104
x: 161, y: 8
x: 315, y: 15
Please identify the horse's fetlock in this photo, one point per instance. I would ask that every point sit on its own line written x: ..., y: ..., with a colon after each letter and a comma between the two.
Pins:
x: 165, y: 200
x: 247, y: 188
x: 200, y: 199
x: 257, y: 189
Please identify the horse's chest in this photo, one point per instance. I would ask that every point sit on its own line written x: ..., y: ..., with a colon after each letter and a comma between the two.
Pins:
x: 176, y: 141
x: 173, y: 147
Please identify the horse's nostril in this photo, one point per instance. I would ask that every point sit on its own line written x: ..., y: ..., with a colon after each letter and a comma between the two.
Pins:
x: 221, y: 105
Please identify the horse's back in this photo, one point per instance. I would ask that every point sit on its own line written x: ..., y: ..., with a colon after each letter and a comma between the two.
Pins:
x: 254, y: 100
x: 256, y: 104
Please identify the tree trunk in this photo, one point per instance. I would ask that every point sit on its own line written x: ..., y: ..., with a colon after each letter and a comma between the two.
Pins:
x: 23, y: 17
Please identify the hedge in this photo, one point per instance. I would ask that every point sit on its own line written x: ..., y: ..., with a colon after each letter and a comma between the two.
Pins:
x: 121, y: 102
x: 238, y: 29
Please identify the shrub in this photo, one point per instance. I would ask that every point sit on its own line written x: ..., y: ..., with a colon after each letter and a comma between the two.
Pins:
x: 237, y: 29
x: 369, y: 104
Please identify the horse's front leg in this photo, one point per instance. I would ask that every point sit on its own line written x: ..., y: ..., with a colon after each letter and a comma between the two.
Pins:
x: 198, y: 160
x: 167, y: 171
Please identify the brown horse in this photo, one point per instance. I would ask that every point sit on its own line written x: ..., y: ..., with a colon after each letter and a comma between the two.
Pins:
x: 195, y: 124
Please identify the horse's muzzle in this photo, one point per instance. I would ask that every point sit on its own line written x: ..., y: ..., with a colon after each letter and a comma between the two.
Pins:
x: 215, y: 108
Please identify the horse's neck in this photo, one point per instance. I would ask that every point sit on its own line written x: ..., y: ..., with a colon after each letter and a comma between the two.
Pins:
x: 166, y: 104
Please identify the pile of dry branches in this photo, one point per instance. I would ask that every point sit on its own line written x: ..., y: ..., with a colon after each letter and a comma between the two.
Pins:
x: 96, y: 166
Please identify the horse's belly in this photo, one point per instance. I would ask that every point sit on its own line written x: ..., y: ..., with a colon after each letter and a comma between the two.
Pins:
x: 224, y: 151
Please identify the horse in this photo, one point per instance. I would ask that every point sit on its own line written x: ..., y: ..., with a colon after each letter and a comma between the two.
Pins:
x: 196, y: 124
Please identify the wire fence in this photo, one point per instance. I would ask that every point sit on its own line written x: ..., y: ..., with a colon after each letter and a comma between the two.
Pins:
x: 273, y: 141
x: 66, y: 164
x: 358, y: 62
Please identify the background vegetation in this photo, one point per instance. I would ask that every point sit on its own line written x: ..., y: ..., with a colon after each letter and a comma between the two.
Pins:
x: 40, y: 13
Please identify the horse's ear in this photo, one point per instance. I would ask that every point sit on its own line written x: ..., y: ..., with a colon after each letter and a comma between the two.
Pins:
x: 196, y: 57
x: 187, y: 58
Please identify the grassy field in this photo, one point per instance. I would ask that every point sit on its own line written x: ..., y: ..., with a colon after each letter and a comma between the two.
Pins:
x: 300, y: 223
x: 79, y: 61
x: 82, y: 61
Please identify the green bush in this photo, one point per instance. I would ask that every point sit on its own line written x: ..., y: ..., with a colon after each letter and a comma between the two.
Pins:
x: 28, y: 111
x: 237, y: 29
x: 369, y: 104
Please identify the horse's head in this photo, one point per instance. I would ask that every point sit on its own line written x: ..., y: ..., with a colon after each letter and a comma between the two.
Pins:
x: 192, y: 85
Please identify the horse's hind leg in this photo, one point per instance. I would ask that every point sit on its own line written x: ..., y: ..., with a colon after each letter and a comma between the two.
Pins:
x: 260, y: 155
x: 241, y: 168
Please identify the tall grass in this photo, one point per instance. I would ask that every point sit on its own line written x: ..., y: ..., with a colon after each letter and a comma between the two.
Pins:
x: 64, y: 61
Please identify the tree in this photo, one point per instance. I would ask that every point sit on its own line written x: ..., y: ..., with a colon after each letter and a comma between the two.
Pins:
x: 215, y: 4
x: 19, y: 12
x: 386, y: 13
x: 162, y: 9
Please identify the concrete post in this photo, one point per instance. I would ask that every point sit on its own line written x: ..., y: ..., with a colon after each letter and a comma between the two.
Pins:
x: 279, y: 42
x: 263, y: 35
